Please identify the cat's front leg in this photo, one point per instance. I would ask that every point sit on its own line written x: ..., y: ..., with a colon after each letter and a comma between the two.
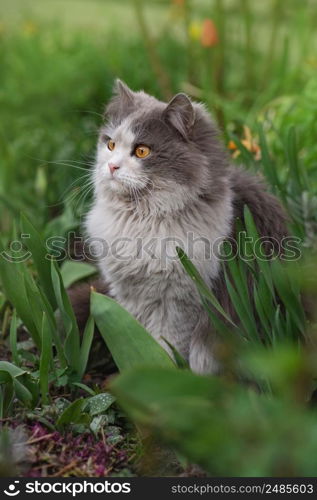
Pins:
x: 202, y: 358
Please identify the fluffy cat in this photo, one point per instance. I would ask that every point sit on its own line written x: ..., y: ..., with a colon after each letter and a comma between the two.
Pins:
x: 163, y: 179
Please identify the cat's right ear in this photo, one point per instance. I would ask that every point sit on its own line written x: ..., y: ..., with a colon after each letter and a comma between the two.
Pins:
x: 122, y: 102
x: 180, y: 113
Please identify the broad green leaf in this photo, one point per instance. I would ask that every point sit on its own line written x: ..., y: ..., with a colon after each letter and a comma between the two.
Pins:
x: 73, y: 271
x: 12, y: 369
x: 72, y: 414
x: 22, y: 392
x: 129, y: 343
x: 100, y: 403
x: 5, y: 377
x: 25, y: 388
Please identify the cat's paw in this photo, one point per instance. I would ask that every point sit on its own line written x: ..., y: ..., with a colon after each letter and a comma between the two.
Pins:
x: 202, y: 359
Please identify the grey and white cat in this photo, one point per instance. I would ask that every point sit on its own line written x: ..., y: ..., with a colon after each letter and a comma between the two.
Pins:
x: 162, y: 179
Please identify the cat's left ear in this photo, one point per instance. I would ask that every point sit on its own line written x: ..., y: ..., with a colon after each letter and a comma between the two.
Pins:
x: 181, y: 114
x: 124, y: 92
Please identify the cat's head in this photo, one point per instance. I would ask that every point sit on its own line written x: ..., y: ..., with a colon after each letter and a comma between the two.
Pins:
x: 148, y: 148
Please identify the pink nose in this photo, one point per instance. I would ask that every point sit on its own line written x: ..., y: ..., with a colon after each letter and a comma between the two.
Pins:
x: 113, y: 167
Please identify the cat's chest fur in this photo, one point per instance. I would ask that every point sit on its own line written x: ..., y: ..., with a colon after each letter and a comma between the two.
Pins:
x: 137, y: 257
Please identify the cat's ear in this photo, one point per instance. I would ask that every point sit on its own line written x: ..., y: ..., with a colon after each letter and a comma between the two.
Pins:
x: 124, y: 92
x: 180, y: 113
x: 121, y: 103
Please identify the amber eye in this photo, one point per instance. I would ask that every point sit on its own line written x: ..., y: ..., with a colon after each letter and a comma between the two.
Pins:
x: 142, y: 151
x: 111, y: 144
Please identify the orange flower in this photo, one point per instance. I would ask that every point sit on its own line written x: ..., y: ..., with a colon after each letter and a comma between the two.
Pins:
x: 179, y: 2
x: 248, y: 142
x: 232, y: 145
x: 209, y: 36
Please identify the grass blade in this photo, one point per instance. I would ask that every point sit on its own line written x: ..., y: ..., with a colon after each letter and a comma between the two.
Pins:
x: 72, y: 335
x: 46, y: 359
x: 268, y: 165
x: 6, y: 393
x: 39, y: 255
x: 201, y: 285
x: 86, y: 345
x: 13, y: 339
x: 12, y: 280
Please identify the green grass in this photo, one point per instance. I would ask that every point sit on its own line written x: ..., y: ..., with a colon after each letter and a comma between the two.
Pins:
x: 93, y: 17
x: 58, y: 62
